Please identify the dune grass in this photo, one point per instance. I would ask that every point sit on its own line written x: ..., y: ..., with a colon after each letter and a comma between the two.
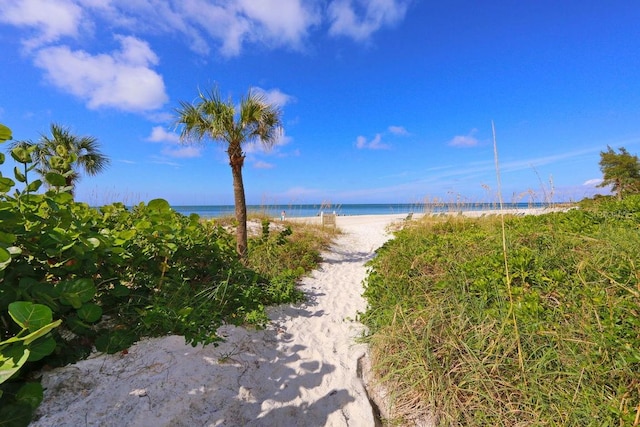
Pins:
x: 441, y: 318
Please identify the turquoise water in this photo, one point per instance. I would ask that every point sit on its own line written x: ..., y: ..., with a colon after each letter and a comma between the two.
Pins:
x: 347, y: 209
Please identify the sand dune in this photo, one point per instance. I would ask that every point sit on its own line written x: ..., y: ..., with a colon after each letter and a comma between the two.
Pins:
x: 301, y: 371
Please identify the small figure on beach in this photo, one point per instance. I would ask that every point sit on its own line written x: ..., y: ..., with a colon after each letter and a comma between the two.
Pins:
x: 283, y: 215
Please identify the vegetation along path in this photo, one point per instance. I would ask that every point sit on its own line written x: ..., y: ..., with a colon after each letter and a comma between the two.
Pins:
x: 302, y: 370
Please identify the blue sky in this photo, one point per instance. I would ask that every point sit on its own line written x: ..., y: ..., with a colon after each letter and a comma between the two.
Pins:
x: 382, y: 100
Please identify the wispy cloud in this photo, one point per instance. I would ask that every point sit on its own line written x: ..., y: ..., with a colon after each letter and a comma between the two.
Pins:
x: 205, y: 25
x: 359, y: 19
x: 181, y: 152
x: 375, y: 144
x: 592, y: 182
x: 122, y: 80
x: 263, y: 165
x: 398, y: 130
x: 468, y: 140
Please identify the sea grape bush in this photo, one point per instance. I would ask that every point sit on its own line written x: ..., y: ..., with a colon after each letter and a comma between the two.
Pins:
x: 73, y: 277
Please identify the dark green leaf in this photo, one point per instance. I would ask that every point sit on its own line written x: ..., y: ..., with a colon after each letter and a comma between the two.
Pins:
x: 41, y: 348
x: 30, y: 394
x: 15, y: 415
x: 76, y: 292
x: 7, y: 238
x: 55, y: 179
x: 19, y: 175
x: 6, y: 184
x: 120, y: 290
x: 34, y: 186
x: 90, y: 312
x: 114, y: 341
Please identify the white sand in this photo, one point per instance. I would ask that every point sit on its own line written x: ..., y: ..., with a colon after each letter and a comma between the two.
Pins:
x: 301, y: 371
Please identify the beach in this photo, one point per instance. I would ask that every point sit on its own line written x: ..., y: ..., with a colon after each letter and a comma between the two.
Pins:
x: 307, y: 368
x: 302, y: 370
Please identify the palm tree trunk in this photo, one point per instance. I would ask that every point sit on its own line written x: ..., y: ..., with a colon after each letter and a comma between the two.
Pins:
x: 236, y: 163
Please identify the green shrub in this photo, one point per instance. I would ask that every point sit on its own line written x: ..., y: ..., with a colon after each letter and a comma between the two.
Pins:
x: 441, y: 310
x: 106, y: 277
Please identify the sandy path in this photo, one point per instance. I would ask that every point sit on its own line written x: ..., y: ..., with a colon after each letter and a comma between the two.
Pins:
x: 301, y: 371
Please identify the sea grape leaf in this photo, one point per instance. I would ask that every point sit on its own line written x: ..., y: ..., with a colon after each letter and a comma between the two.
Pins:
x: 55, y: 179
x: 34, y: 186
x: 6, y: 184
x: 159, y: 205
x: 41, y: 348
x: 28, y: 339
x: 5, y: 133
x: 5, y: 258
x: 21, y: 154
x: 30, y: 394
x: 90, y: 312
x: 62, y: 198
x: 76, y: 292
x: 30, y: 316
x: 19, y: 175
x: 120, y: 290
x: 11, y: 360
x: 7, y: 238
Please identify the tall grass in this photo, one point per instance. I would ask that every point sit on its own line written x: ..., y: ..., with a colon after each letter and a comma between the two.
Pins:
x: 443, y: 320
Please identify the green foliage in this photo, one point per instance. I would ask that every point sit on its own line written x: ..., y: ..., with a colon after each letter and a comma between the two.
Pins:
x: 621, y: 171
x: 5, y: 133
x: 442, y: 327
x: 111, y: 275
x: 59, y: 158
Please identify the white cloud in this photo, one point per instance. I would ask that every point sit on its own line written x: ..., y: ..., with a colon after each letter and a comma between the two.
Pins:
x: 375, y: 144
x: 275, y: 96
x: 220, y: 21
x: 592, y: 182
x: 172, y: 147
x: 160, y: 134
x: 465, y: 140
x: 283, y: 23
x: 359, y: 19
x: 122, y: 79
x: 224, y: 25
x: 50, y: 19
x: 398, y: 130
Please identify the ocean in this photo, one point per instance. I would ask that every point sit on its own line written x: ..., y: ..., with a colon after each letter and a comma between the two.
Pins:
x: 307, y: 210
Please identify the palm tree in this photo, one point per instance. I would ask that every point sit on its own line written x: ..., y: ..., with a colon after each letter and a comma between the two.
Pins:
x: 254, y: 119
x: 65, y: 153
